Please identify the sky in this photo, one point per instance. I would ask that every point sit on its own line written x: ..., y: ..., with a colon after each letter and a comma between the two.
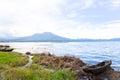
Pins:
x: 96, y: 19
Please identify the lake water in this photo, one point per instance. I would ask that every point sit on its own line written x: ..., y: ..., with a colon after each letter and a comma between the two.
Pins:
x: 89, y: 52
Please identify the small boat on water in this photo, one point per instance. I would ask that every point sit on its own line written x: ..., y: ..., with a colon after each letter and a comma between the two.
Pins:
x: 98, y: 68
x: 7, y: 50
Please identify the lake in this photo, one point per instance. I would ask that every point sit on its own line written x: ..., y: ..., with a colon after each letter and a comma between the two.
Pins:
x: 89, y: 52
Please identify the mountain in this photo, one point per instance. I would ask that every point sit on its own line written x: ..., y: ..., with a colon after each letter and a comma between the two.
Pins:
x: 50, y: 37
x: 115, y: 39
x: 3, y: 39
x: 46, y: 36
x: 96, y: 40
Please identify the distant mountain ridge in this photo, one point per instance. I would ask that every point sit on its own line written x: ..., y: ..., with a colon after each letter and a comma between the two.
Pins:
x: 46, y: 36
x: 50, y: 37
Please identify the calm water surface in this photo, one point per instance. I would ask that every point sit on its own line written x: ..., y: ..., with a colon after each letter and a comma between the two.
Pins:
x: 89, y: 52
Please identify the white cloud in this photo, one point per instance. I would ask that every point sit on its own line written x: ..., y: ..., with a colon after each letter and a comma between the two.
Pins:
x: 26, y: 17
x: 29, y: 16
x: 78, y: 4
x: 74, y: 29
x: 106, y: 31
x: 87, y: 4
x: 5, y: 32
x: 115, y: 3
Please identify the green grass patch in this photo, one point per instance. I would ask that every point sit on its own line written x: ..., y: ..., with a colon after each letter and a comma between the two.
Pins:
x: 25, y: 74
x: 12, y: 68
x: 12, y: 59
x: 36, y: 58
x: 62, y: 74
x: 36, y: 73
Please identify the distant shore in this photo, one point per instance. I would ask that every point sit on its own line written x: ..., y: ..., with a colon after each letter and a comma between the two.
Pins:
x: 51, y: 37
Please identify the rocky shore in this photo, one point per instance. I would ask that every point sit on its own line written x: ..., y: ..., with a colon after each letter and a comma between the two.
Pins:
x: 74, y: 64
x: 46, y: 66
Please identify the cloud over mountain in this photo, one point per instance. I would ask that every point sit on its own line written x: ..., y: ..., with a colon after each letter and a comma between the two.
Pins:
x: 68, y: 18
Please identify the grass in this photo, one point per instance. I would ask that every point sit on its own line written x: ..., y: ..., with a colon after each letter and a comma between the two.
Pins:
x: 23, y: 73
x: 62, y: 74
x: 36, y: 58
x: 12, y: 59
x: 12, y: 68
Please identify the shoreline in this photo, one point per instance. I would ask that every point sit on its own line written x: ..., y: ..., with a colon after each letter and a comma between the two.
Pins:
x: 110, y: 73
x: 50, y: 61
x: 95, y: 51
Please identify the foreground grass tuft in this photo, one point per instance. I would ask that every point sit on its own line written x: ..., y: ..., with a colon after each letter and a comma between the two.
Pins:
x: 12, y: 68
x: 25, y: 74
x: 12, y: 59
x: 41, y: 74
x: 62, y: 75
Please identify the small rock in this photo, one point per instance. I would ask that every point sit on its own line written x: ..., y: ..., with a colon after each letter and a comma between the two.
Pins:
x: 28, y: 53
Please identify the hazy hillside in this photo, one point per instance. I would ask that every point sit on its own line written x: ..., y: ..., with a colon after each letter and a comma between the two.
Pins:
x: 46, y: 36
x: 50, y: 37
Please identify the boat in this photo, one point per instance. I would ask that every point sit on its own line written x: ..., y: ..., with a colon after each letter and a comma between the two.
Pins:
x: 7, y: 50
x: 98, y: 68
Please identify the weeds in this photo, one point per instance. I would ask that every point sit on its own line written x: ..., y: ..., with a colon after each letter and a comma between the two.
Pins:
x: 12, y: 68
x: 12, y: 59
